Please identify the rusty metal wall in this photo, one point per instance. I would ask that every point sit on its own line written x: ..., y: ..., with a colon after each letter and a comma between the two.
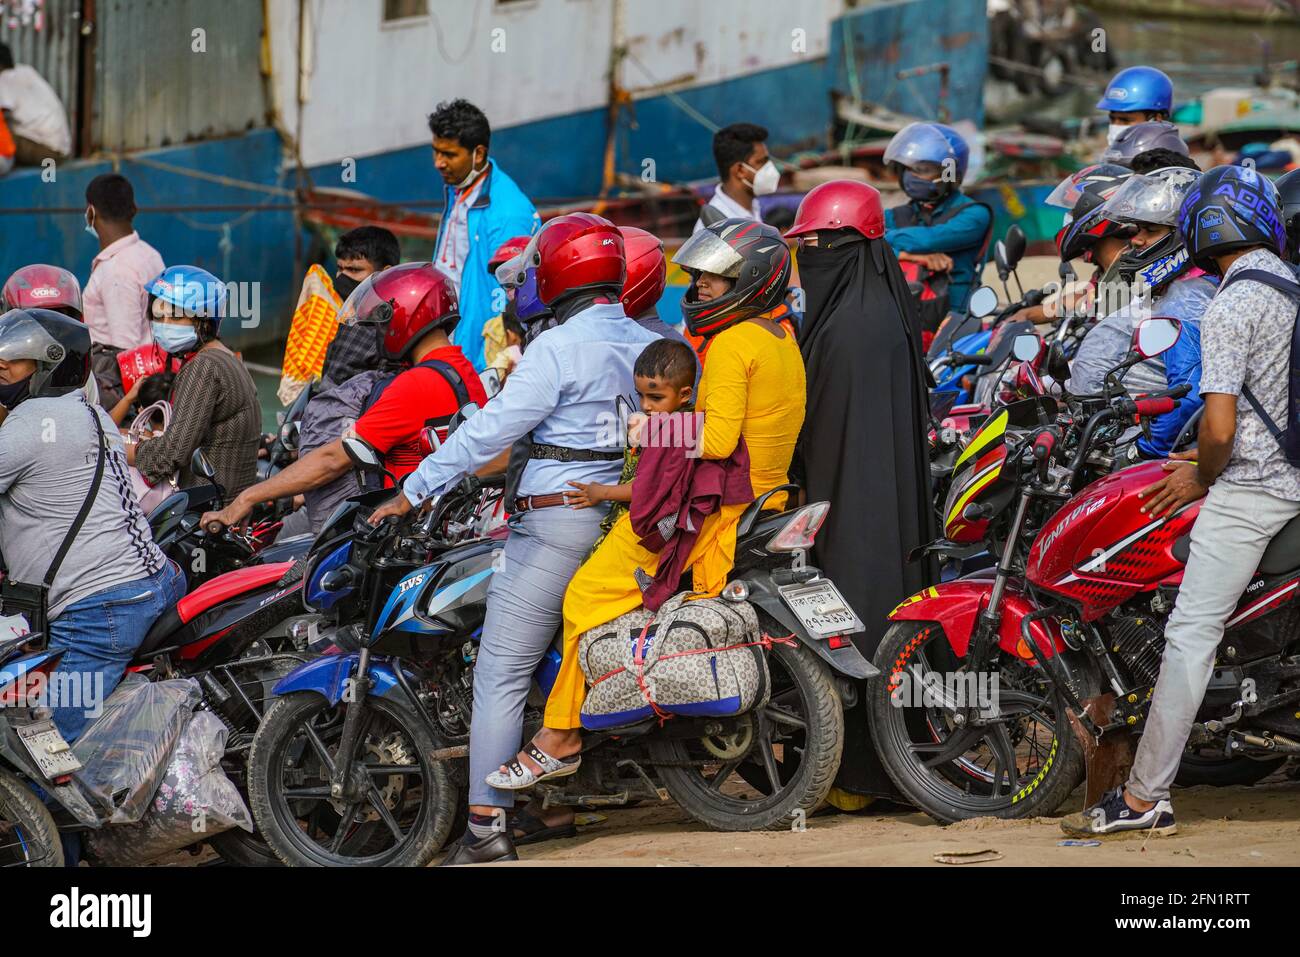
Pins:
x: 45, y: 34
x: 159, y: 82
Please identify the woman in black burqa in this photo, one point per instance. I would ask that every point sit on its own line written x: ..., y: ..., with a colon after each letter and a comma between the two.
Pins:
x: 863, y: 446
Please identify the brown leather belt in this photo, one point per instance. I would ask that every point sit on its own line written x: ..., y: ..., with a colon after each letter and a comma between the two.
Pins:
x: 529, y: 503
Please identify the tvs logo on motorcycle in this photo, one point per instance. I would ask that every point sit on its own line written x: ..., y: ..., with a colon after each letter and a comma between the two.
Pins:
x: 404, y: 587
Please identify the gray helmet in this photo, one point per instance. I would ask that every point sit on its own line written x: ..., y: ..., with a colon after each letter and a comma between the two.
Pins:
x: 1140, y: 137
x: 58, y: 344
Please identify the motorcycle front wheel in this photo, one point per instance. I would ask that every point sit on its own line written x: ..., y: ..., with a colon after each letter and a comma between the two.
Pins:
x: 28, y: 835
x: 776, y: 766
x: 1022, y: 763
x: 402, y: 804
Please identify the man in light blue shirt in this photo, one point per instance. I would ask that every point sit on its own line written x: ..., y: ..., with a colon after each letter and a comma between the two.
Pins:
x: 564, y: 394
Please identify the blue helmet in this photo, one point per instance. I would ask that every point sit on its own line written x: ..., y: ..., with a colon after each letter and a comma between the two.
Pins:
x: 961, y: 150
x: 1230, y: 207
x: 528, y: 304
x: 1138, y: 88
x: 921, y: 143
x: 193, y: 292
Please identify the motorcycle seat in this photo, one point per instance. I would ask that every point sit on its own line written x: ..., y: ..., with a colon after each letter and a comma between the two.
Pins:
x: 1281, y: 556
x: 163, y: 631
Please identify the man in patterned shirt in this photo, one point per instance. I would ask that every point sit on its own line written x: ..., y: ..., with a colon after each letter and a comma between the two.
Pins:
x: 1231, y: 223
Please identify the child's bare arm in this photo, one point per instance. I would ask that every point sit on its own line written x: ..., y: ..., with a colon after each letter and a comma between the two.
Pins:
x: 593, y: 493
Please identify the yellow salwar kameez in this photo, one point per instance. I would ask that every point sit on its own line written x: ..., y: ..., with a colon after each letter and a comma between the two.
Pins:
x: 753, y: 388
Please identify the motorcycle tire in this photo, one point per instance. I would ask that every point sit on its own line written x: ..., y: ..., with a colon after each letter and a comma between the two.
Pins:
x: 28, y: 834
x: 947, y: 792
x: 278, y: 823
x: 1221, y: 772
x: 797, y: 672
x: 241, y: 849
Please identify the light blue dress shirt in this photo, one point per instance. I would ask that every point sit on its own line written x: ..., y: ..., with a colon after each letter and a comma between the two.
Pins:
x: 565, y: 391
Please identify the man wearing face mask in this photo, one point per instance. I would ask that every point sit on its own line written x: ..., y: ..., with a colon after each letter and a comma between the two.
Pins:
x: 940, y: 234
x: 484, y: 208
x: 115, y: 301
x: 1136, y: 94
x: 359, y: 254
x: 745, y: 172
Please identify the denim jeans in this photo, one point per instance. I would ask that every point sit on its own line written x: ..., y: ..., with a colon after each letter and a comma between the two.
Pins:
x: 100, y: 635
x: 524, y: 604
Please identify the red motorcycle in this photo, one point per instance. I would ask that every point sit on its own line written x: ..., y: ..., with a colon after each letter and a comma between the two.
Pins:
x: 980, y: 676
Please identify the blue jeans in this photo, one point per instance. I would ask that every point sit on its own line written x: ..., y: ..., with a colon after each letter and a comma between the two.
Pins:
x: 100, y: 635
x: 525, y: 604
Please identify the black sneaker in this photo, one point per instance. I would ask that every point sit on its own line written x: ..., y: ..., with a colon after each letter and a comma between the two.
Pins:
x: 493, y: 848
x: 1112, y: 815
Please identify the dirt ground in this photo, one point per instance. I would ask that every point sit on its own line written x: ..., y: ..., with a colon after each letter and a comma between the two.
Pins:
x: 1233, y: 827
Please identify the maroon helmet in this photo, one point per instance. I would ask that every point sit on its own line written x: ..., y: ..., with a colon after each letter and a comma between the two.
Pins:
x: 42, y: 287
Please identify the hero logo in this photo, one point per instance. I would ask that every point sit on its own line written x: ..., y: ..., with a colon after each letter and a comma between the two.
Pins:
x: 1083, y: 508
x: 404, y: 587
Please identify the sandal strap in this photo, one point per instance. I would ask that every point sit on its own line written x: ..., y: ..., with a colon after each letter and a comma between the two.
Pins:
x: 544, y: 760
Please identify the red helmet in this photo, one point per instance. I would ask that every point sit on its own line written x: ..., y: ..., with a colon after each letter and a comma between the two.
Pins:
x: 840, y: 204
x: 507, y: 251
x: 408, y: 301
x: 577, y: 251
x: 647, y: 270
x: 42, y: 287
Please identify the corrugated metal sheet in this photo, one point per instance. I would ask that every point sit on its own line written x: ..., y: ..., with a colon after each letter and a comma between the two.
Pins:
x: 153, y: 88
x: 46, y: 35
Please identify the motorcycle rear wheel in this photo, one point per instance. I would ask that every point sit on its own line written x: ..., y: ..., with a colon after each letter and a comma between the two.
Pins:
x: 791, y: 762
x: 1023, y: 766
x: 28, y: 835
x: 305, y: 828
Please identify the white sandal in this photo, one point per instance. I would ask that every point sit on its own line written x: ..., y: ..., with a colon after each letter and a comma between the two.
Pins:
x: 517, y: 777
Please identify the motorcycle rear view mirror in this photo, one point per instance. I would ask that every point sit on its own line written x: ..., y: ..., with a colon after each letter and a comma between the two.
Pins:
x: 1000, y: 258
x: 201, y: 467
x: 463, y: 413
x: 363, y: 457
x: 1155, y: 336
x: 1014, y: 246
x: 983, y: 302
x: 1026, y: 347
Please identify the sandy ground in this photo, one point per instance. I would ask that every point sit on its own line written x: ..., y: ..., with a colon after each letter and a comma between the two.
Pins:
x: 1232, y: 827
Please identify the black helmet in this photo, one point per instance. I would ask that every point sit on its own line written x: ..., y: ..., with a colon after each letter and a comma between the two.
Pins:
x: 752, y: 255
x: 58, y: 344
x: 1137, y: 139
x: 1288, y: 192
x: 1230, y: 207
x: 1083, y: 194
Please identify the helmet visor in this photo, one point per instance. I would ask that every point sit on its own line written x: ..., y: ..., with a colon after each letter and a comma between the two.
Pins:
x: 513, y: 273
x: 365, y: 306
x: 708, y: 252
x: 919, y: 143
x: 1150, y: 198
x: 22, y: 337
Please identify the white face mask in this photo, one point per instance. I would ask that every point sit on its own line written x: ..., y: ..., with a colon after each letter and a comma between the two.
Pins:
x: 1113, y: 131
x: 471, y: 175
x: 766, y: 178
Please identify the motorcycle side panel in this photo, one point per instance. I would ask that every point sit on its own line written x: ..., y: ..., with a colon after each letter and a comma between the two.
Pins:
x: 954, y: 606
x: 1100, y: 550
x: 328, y: 676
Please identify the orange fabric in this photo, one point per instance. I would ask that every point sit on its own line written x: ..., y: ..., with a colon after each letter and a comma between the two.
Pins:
x: 7, y: 147
x: 315, y: 323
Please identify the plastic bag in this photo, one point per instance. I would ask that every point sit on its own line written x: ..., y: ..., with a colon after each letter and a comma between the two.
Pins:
x: 126, y: 750
x: 194, y: 801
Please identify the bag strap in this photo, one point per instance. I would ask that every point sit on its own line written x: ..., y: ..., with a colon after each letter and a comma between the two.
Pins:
x: 452, y: 377
x: 1288, y: 287
x: 85, y: 506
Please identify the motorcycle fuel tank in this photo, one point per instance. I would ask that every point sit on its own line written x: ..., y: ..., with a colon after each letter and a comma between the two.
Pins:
x: 1100, y: 549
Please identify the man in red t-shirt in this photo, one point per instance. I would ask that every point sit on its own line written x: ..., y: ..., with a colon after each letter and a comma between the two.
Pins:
x: 413, y: 307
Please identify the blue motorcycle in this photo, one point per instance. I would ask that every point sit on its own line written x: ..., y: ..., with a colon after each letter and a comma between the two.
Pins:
x: 357, y: 762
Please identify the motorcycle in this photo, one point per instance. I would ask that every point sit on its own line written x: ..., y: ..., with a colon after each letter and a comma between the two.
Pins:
x: 353, y: 764
x: 1073, y: 612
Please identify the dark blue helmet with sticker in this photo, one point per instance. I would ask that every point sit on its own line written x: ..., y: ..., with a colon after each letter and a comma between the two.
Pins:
x: 1230, y: 207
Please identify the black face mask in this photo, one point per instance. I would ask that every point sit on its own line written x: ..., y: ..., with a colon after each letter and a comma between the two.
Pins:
x: 15, y: 392
x: 344, y: 285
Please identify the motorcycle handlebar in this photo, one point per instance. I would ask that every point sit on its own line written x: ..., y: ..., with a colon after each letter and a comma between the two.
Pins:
x: 1043, y: 445
x: 1153, y: 407
x: 961, y: 359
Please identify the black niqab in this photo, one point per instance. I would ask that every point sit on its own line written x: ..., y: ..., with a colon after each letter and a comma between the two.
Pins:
x: 863, y: 448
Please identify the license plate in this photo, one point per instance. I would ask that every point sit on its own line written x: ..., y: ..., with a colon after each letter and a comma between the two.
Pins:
x: 821, y: 608
x: 51, y: 753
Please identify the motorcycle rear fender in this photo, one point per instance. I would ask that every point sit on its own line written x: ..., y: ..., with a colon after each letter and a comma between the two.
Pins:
x: 328, y: 677
x: 845, y: 660
x: 955, y: 605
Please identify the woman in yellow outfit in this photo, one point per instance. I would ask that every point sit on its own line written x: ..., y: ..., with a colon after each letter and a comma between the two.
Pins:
x: 753, y: 388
